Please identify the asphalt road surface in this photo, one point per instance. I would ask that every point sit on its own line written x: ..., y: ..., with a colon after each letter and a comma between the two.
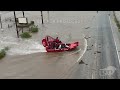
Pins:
x: 100, y: 54
x: 106, y: 45
x: 104, y: 63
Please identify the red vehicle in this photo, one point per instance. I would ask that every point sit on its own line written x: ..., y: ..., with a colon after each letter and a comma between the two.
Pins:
x: 55, y: 45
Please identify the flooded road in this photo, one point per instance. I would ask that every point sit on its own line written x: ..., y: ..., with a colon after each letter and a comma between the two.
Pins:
x: 39, y: 65
x: 28, y: 58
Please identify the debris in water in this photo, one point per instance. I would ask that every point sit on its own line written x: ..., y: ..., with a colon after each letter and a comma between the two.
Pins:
x: 88, y: 49
x: 81, y: 62
x: 98, y: 52
x: 87, y: 37
x: 87, y: 27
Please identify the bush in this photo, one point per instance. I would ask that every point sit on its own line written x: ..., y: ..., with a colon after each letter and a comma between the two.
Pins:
x: 34, y: 29
x: 25, y: 35
x: 6, y: 48
x: 2, y: 53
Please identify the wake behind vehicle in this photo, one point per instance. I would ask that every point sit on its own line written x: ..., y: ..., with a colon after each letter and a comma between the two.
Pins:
x: 55, y: 45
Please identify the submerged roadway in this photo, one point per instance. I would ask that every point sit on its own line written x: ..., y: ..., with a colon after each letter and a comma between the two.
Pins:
x: 84, y: 63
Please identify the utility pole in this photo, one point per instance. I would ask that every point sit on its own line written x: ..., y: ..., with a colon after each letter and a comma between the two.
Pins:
x: 23, y: 16
x: 16, y: 25
x: 0, y: 21
x: 48, y: 15
x: 23, y: 13
x: 42, y: 17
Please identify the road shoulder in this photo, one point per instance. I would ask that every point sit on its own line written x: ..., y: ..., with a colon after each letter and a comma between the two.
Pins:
x: 116, y: 35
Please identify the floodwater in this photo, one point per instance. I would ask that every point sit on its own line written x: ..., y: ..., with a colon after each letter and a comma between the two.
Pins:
x: 35, y: 62
x: 68, y: 26
x: 20, y: 47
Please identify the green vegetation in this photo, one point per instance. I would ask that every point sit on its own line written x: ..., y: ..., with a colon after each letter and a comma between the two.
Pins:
x: 117, y: 22
x: 6, y: 48
x: 25, y: 35
x: 2, y: 53
x: 34, y: 29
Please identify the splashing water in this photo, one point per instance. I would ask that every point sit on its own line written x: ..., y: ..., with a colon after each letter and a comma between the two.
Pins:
x: 20, y: 46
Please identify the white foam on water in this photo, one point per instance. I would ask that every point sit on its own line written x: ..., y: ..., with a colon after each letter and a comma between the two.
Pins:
x: 20, y: 46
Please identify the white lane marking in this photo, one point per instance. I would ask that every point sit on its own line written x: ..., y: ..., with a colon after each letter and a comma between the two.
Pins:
x: 75, y: 52
x: 114, y: 39
x: 83, y: 51
x: 92, y: 76
x: 95, y: 48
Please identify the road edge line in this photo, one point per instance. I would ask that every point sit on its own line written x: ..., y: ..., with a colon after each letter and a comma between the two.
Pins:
x: 114, y: 40
x: 83, y: 51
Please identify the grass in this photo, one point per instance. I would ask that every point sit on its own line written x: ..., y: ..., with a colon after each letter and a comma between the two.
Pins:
x: 25, y: 35
x: 34, y: 29
x: 117, y: 22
